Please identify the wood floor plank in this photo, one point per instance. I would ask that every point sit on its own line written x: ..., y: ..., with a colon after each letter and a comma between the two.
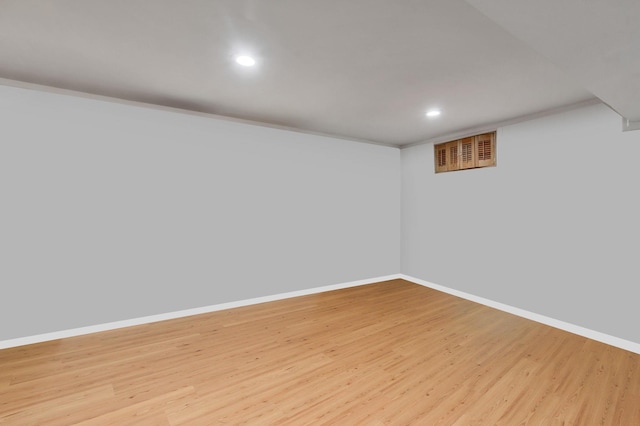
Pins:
x: 391, y: 353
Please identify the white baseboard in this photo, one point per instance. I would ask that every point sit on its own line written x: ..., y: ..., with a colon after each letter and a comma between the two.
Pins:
x: 571, y: 328
x: 184, y: 313
x: 581, y: 331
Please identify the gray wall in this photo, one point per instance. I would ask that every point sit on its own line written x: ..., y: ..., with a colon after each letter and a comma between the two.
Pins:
x: 111, y: 211
x: 553, y: 229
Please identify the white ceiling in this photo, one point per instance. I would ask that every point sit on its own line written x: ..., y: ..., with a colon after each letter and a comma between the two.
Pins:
x: 596, y: 42
x: 356, y: 69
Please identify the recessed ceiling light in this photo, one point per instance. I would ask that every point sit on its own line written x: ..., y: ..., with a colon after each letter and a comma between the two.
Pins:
x: 246, y: 61
x: 433, y: 113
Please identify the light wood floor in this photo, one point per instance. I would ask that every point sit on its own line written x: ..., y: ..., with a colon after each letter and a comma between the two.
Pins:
x: 388, y: 353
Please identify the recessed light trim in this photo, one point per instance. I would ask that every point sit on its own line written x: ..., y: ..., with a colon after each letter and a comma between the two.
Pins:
x: 433, y: 113
x: 245, y: 61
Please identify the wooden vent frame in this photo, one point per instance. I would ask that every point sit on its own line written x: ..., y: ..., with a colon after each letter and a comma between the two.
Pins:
x: 467, y: 153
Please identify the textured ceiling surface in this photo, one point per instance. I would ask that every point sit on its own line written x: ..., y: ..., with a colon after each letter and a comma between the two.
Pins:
x: 356, y: 69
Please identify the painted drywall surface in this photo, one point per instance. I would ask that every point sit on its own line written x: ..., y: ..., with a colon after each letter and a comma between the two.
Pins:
x: 553, y: 229
x: 112, y: 211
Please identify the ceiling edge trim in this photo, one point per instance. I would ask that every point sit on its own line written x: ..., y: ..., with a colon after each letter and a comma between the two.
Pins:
x: 490, y: 127
x: 75, y: 93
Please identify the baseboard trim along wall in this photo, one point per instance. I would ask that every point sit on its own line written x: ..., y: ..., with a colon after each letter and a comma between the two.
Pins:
x: 571, y: 328
x: 581, y: 331
x: 184, y: 313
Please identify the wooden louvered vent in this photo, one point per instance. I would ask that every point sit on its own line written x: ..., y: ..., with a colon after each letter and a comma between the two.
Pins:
x: 468, y: 153
x: 441, y: 157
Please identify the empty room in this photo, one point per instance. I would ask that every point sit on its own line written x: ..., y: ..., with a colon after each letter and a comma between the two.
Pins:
x: 319, y: 212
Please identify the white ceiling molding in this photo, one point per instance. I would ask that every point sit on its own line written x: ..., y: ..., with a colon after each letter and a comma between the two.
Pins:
x: 490, y: 127
x: 67, y: 92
